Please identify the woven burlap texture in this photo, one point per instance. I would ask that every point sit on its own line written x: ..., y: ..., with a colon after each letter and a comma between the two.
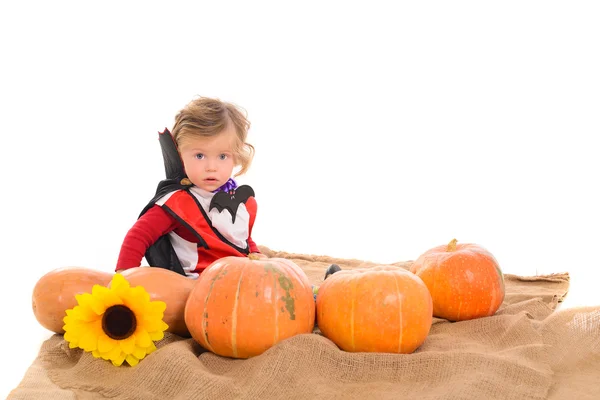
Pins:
x: 526, y: 351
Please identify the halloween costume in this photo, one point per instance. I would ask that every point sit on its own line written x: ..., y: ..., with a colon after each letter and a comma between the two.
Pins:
x: 184, y: 228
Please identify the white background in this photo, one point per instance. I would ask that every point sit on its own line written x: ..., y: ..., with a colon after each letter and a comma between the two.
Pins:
x: 380, y: 132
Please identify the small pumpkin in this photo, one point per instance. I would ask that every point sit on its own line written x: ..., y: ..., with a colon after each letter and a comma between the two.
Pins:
x: 464, y: 279
x: 240, y: 307
x: 383, y: 309
x: 54, y: 293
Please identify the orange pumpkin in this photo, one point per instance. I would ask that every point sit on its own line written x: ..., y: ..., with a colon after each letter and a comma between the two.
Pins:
x: 240, y: 307
x: 464, y: 279
x: 168, y: 286
x: 54, y: 293
x: 383, y: 309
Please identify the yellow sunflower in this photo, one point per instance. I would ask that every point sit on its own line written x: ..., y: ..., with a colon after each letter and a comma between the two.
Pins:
x: 117, y: 323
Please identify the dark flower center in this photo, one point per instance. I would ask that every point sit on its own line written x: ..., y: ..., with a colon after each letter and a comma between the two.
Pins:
x: 118, y: 322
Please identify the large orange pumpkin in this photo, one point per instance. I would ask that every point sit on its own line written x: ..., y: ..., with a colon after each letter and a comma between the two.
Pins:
x: 464, y: 279
x: 241, y: 307
x: 383, y: 309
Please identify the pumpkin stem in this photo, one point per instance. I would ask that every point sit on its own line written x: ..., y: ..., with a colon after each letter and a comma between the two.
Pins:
x: 452, y: 245
x: 253, y: 256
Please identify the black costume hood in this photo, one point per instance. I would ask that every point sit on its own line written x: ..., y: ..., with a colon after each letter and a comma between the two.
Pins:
x: 161, y: 254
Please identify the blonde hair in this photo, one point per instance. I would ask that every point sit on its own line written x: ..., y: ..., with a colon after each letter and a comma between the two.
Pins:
x: 206, y: 117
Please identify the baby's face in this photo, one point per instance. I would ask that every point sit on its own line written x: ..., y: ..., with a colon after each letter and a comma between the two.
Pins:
x: 209, y: 162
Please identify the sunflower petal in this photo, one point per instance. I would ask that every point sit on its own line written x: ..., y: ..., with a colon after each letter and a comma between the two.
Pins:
x: 106, y: 296
x: 156, y: 335
x: 151, y: 348
x: 117, y: 361
x: 89, y: 341
x: 75, y: 328
x: 106, y: 344
x: 119, y: 284
x: 138, y: 300
x: 127, y: 344
x: 71, y: 338
x: 142, y: 338
x: 139, y: 352
x: 114, y: 353
x: 153, y: 325
x: 84, y: 313
x: 104, y: 356
x: 131, y: 360
x: 158, y: 307
x: 87, y: 300
x: 75, y: 325
x: 141, y: 294
x: 163, y: 326
x: 154, y: 316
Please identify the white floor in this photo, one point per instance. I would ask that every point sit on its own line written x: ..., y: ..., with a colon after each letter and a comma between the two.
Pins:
x: 381, y: 130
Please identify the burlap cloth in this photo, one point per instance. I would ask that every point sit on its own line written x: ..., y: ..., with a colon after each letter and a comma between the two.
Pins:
x: 525, y: 351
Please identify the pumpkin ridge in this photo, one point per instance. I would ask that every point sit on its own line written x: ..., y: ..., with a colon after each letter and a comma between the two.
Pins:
x: 434, y: 280
x: 234, y: 315
x: 204, y: 323
x: 286, y: 284
x: 303, y: 284
x: 400, y: 303
x: 273, y: 295
x: 352, y: 310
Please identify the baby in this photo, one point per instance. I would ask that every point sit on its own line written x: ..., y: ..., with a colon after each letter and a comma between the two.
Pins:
x: 199, y: 214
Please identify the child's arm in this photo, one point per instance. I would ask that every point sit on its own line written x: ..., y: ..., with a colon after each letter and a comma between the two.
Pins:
x: 254, y: 250
x: 145, y: 232
x: 252, y: 246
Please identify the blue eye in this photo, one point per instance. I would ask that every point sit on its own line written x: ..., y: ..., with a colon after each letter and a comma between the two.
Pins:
x: 223, y: 157
x: 199, y: 156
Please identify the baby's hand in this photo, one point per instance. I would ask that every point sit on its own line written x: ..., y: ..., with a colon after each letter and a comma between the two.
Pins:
x: 257, y: 256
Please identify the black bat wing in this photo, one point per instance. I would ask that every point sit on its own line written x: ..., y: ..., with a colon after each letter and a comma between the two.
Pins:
x: 231, y: 201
